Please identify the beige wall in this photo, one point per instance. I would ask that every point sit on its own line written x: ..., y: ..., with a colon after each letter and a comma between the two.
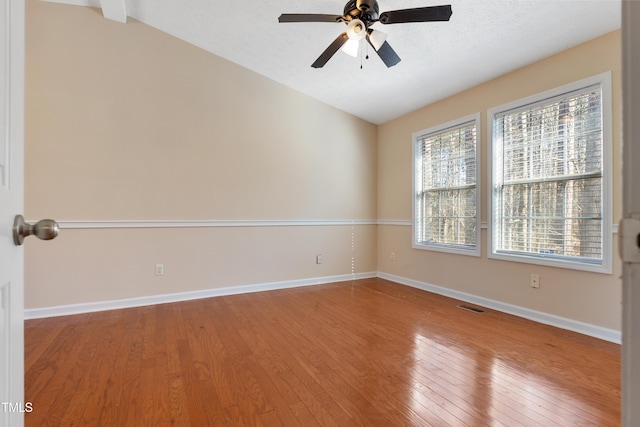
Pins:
x: 588, y: 297
x: 124, y: 123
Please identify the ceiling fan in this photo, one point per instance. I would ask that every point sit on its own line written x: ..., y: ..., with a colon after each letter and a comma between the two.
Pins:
x: 359, y: 15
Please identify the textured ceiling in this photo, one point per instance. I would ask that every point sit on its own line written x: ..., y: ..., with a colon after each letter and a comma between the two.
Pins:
x: 483, y: 39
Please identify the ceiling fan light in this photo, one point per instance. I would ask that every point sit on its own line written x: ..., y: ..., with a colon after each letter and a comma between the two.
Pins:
x: 351, y: 47
x: 377, y: 39
x: 356, y: 29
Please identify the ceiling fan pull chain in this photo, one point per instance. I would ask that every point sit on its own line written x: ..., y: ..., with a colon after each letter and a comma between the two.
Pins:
x: 362, y: 53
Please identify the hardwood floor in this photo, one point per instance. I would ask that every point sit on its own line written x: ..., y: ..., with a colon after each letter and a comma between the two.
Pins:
x: 362, y: 353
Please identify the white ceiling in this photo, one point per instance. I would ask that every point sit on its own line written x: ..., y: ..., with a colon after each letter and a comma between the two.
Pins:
x: 484, y: 39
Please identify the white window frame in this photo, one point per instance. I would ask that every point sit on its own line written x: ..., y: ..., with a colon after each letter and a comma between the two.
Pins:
x: 454, y: 249
x: 604, y: 80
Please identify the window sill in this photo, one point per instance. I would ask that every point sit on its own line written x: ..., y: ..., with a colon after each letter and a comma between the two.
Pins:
x: 450, y: 249
x: 603, y: 268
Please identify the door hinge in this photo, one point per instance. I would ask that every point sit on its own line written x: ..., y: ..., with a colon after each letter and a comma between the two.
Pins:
x: 629, y: 240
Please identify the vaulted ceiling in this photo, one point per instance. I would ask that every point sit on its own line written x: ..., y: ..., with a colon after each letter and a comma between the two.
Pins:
x: 483, y: 40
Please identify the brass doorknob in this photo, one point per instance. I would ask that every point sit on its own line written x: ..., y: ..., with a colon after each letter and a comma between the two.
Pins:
x: 45, y: 229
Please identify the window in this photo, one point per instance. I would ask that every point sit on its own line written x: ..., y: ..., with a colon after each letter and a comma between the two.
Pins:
x: 446, y: 173
x: 551, y: 195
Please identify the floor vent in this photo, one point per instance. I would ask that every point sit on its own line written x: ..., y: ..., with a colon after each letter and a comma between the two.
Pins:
x: 468, y: 307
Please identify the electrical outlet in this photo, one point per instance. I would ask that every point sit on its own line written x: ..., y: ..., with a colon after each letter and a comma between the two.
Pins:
x: 319, y: 259
x: 159, y: 269
x: 393, y: 256
x: 535, y: 281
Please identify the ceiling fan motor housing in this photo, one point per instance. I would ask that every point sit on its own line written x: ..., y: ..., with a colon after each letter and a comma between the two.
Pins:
x: 366, y: 10
x: 365, y: 5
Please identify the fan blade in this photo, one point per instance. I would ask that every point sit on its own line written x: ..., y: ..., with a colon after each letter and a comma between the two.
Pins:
x: 419, y: 14
x: 308, y: 17
x: 330, y: 51
x: 386, y: 53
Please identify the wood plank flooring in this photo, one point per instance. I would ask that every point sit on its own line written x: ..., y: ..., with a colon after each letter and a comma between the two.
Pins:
x: 361, y: 353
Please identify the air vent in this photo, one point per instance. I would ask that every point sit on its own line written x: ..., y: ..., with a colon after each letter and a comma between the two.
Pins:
x: 469, y: 308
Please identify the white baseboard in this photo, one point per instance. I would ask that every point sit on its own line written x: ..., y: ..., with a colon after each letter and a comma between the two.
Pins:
x: 65, y: 310
x: 537, y: 316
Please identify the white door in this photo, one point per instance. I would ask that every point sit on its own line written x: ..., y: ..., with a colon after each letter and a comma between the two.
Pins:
x: 631, y: 214
x: 12, y: 404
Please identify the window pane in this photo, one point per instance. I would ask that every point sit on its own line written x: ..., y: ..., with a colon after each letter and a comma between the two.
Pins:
x: 561, y: 218
x: 450, y: 217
